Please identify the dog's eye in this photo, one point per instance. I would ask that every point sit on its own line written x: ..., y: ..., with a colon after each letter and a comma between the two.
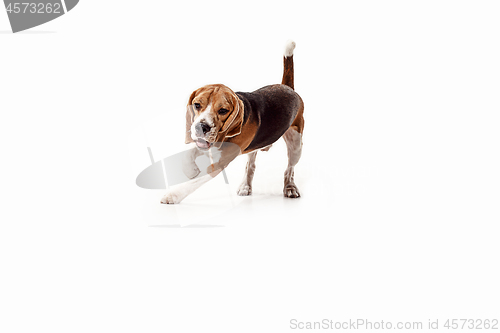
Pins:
x: 197, y: 106
x: 223, y: 111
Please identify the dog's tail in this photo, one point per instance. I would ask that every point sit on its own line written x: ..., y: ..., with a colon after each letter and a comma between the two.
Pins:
x: 288, y: 64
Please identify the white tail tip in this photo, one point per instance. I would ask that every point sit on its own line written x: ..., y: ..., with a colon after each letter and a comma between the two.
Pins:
x: 290, y: 46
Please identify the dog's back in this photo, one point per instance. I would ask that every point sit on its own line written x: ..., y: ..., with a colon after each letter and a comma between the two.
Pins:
x: 273, y: 109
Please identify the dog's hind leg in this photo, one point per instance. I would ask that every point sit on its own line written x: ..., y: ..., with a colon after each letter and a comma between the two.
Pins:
x: 293, y: 139
x: 246, y: 186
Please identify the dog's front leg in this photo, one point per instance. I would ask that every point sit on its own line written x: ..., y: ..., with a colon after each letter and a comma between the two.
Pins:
x: 178, y: 192
x: 189, y: 166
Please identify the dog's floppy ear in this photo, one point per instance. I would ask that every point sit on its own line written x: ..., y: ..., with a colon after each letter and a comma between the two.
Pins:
x: 234, y: 122
x: 189, y: 117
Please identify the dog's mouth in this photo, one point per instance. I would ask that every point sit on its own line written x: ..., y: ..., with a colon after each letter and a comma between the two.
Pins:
x: 203, y: 144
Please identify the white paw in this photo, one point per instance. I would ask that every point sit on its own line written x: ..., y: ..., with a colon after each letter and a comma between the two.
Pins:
x: 170, y: 198
x: 291, y: 191
x: 244, y: 190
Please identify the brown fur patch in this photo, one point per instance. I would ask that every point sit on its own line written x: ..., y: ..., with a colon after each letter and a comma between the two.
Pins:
x: 288, y: 72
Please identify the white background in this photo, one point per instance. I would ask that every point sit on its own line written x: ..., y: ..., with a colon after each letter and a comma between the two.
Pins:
x: 399, y: 214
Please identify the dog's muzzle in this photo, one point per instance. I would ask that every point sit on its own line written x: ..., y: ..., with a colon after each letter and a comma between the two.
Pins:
x: 203, y: 132
x: 203, y: 144
x: 201, y: 129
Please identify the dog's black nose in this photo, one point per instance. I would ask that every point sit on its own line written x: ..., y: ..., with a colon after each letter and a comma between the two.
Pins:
x: 202, y: 128
x: 206, y: 128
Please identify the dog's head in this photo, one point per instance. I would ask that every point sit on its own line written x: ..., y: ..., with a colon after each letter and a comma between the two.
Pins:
x: 214, y: 112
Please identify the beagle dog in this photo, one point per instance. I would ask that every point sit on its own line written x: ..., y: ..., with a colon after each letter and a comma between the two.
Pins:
x: 243, y: 123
